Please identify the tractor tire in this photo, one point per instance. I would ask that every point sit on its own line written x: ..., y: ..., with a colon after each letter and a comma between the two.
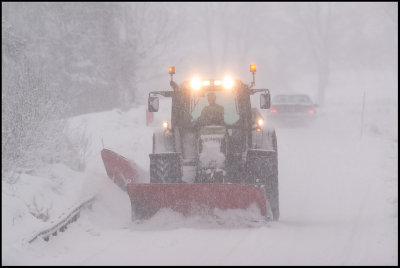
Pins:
x: 262, y: 169
x: 272, y: 133
x: 272, y: 186
x: 166, y: 168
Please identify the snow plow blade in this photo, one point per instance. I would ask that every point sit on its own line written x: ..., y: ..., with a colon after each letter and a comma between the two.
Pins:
x: 119, y: 169
x: 148, y: 198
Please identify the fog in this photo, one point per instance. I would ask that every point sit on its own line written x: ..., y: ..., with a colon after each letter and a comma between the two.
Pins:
x: 76, y: 78
x: 107, y: 48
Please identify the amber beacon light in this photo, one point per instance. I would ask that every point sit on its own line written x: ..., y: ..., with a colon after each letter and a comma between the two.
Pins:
x: 253, y: 68
x: 253, y: 71
x: 171, y: 71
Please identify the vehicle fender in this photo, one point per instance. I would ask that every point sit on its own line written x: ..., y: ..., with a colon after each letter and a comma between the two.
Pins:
x: 163, y: 142
x: 264, y: 139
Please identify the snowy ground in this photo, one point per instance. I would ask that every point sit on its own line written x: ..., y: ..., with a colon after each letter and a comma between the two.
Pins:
x: 338, y: 201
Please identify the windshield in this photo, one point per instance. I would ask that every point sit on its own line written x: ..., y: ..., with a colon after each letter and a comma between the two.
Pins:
x: 226, y: 99
x: 292, y: 99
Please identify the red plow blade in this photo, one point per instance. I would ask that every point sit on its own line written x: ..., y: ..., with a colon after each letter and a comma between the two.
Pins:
x: 119, y: 169
x: 147, y: 199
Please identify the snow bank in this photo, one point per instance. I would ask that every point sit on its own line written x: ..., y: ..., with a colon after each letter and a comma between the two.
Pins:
x: 34, y: 200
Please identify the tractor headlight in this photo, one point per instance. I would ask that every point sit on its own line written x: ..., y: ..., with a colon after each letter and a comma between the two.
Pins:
x: 195, y: 84
x: 217, y: 82
x: 260, y: 122
x: 165, y: 124
x: 228, y: 83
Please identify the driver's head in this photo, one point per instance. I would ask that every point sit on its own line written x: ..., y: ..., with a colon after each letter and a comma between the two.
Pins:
x: 211, y: 98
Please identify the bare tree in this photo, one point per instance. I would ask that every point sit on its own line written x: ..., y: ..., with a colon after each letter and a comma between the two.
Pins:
x: 145, y: 32
x: 32, y: 124
x: 316, y: 20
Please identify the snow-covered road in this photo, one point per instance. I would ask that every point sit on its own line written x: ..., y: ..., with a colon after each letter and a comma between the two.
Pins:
x: 338, y: 202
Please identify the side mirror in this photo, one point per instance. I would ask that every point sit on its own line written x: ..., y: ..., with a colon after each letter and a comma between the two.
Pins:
x: 153, y: 104
x: 265, y: 101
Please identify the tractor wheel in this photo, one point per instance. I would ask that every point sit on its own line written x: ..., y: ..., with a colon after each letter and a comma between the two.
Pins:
x: 165, y: 168
x: 262, y: 169
x: 272, y: 186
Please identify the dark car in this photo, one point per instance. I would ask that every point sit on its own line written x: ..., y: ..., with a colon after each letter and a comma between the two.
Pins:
x: 293, y: 109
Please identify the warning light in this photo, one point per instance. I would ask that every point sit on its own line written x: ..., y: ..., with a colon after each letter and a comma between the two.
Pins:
x: 171, y: 69
x: 252, y: 68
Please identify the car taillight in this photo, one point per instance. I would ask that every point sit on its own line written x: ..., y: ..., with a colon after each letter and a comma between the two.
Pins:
x: 273, y: 111
x: 311, y: 111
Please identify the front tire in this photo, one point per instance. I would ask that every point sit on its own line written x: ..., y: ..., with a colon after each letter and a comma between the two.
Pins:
x: 272, y: 187
x: 262, y: 170
x: 166, y: 168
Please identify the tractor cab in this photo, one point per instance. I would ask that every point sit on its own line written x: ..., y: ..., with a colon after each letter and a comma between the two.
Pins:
x: 212, y: 125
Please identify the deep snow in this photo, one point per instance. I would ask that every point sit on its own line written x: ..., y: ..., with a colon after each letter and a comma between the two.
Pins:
x: 338, y: 200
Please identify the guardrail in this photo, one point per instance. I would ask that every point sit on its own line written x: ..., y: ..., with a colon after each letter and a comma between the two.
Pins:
x: 63, y: 220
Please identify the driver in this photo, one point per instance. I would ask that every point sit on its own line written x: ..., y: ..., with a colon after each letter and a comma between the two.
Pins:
x: 213, y: 114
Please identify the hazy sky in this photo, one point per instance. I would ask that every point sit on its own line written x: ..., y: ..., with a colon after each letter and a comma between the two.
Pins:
x: 289, y: 42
